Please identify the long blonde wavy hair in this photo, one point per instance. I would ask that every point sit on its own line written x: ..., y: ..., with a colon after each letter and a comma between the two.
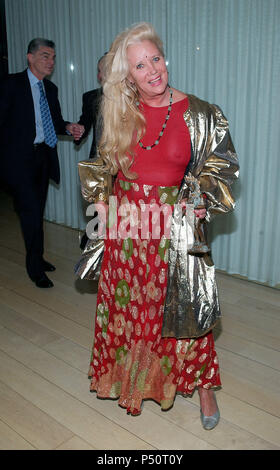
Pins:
x: 123, y: 123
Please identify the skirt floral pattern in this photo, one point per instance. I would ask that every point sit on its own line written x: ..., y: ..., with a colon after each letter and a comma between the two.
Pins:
x: 130, y: 360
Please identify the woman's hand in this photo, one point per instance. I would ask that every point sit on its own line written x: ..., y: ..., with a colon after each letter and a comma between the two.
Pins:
x: 200, y: 213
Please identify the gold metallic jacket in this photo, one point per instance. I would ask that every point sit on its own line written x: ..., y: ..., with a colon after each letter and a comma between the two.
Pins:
x: 96, y: 185
x: 191, y: 305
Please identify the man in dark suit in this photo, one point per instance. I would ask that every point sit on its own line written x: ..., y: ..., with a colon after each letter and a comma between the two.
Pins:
x: 90, y: 109
x: 30, y: 119
x: 90, y: 118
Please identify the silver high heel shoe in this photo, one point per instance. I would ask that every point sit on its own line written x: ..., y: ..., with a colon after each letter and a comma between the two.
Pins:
x: 210, y: 422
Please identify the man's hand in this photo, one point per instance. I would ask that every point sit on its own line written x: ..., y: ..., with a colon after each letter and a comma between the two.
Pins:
x: 76, y: 130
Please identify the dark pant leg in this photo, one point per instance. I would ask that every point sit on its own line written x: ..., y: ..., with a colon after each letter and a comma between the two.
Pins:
x: 30, y: 199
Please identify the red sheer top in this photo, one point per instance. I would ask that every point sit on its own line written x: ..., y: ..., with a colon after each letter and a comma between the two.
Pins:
x: 164, y: 164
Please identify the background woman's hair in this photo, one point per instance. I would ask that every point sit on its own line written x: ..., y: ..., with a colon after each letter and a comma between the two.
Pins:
x: 123, y: 124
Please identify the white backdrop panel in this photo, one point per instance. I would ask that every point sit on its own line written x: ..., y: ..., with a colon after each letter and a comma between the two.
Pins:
x: 224, y: 51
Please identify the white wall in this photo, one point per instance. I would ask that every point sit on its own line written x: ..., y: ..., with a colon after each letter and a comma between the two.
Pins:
x: 225, y: 51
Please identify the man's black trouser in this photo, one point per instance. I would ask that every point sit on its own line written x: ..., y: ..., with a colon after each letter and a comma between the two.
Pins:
x: 29, y: 191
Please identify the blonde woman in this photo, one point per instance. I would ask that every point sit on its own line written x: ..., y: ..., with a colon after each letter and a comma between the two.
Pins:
x: 157, y: 305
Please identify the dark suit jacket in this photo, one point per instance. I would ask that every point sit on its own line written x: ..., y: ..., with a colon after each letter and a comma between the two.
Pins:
x: 17, y: 126
x: 88, y: 118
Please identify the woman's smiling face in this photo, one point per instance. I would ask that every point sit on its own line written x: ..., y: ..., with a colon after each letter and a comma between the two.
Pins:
x: 147, y: 69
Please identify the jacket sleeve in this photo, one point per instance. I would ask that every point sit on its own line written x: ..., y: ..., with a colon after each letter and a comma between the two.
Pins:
x: 5, y: 101
x: 96, y: 181
x: 220, y: 168
x: 86, y: 118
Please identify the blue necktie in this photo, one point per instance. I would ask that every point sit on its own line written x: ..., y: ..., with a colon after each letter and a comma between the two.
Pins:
x: 49, y: 132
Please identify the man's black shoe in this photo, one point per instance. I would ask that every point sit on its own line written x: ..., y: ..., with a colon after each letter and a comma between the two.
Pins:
x: 44, y: 282
x: 48, y: 267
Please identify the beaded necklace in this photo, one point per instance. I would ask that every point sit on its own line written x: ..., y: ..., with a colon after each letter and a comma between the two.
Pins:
x: 149, y: 147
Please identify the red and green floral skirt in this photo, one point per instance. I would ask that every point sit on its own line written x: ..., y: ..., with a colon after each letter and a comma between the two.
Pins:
x: 130, y: 360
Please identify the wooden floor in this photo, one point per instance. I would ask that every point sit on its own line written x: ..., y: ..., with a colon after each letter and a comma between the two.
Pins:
x: 45, y: 342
